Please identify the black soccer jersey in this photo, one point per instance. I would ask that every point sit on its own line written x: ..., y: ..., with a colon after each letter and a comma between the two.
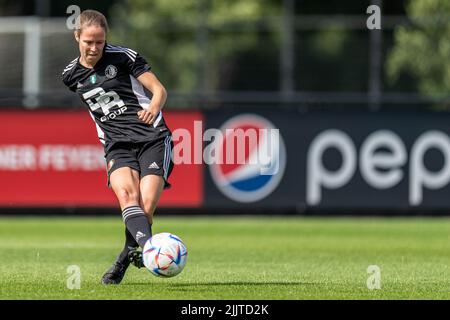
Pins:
x: 114, y: 96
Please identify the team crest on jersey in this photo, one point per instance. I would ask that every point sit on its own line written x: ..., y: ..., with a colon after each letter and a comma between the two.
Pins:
x: 110, y: 71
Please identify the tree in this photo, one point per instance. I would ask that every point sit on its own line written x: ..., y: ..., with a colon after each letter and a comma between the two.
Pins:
x: 422, y: 49
x: 186, y: 41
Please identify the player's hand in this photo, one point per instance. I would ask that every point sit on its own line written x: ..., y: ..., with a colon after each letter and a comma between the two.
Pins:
x: 147, y: 115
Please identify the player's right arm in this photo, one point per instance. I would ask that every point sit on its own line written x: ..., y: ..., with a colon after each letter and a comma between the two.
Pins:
x: 151, y: 83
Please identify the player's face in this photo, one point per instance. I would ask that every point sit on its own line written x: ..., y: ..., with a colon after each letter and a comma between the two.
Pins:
x: 91, y: 42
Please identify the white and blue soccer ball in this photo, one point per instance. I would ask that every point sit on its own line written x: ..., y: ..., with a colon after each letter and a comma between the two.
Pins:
x: 164, y: 255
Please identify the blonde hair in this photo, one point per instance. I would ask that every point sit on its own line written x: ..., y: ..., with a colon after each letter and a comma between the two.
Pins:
x: 91, y: 17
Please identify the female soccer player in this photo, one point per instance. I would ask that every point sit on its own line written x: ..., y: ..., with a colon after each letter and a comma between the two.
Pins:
x: 110, y: 80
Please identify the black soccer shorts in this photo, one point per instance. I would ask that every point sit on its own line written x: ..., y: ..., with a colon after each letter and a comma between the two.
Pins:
x: 154, y: 157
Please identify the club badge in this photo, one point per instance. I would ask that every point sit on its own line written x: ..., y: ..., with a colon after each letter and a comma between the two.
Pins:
x: 110, y: 71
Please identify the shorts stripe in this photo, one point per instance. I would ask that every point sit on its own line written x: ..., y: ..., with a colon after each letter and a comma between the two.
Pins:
x: 167, y: 156
x: 158, y: 119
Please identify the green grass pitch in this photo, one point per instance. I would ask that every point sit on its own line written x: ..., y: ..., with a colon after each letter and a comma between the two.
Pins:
x: 233, y: 258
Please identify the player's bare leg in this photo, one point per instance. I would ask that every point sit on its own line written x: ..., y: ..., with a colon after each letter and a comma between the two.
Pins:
x: 151, y: 187
x: 125, y: 184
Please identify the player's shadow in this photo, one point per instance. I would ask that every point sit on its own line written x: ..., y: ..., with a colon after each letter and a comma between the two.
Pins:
x: 234, y: 283
x: 239, y: 283
x: 206, y: 286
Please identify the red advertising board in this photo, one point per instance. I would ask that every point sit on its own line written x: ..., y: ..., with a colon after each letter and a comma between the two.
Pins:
x: 54, y: 158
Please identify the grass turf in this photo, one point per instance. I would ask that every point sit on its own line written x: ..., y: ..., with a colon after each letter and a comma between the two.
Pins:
x: 233, y: 258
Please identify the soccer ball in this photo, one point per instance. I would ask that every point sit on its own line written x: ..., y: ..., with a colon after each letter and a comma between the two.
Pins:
x: 164, y: 255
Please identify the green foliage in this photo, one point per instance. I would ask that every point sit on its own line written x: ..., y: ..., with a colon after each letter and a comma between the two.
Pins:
x: 329, y: 43
x: 171, y: 35
x: 423, y: 48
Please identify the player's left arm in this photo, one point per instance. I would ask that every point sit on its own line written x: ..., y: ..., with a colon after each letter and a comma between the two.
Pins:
x: 151, y: 83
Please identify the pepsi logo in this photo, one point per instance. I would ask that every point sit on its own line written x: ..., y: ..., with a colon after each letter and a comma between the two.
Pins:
x: 253, y: 158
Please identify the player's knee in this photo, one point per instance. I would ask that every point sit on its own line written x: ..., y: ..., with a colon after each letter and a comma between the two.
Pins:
x: 127, y: 197
x: 149, y: 206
